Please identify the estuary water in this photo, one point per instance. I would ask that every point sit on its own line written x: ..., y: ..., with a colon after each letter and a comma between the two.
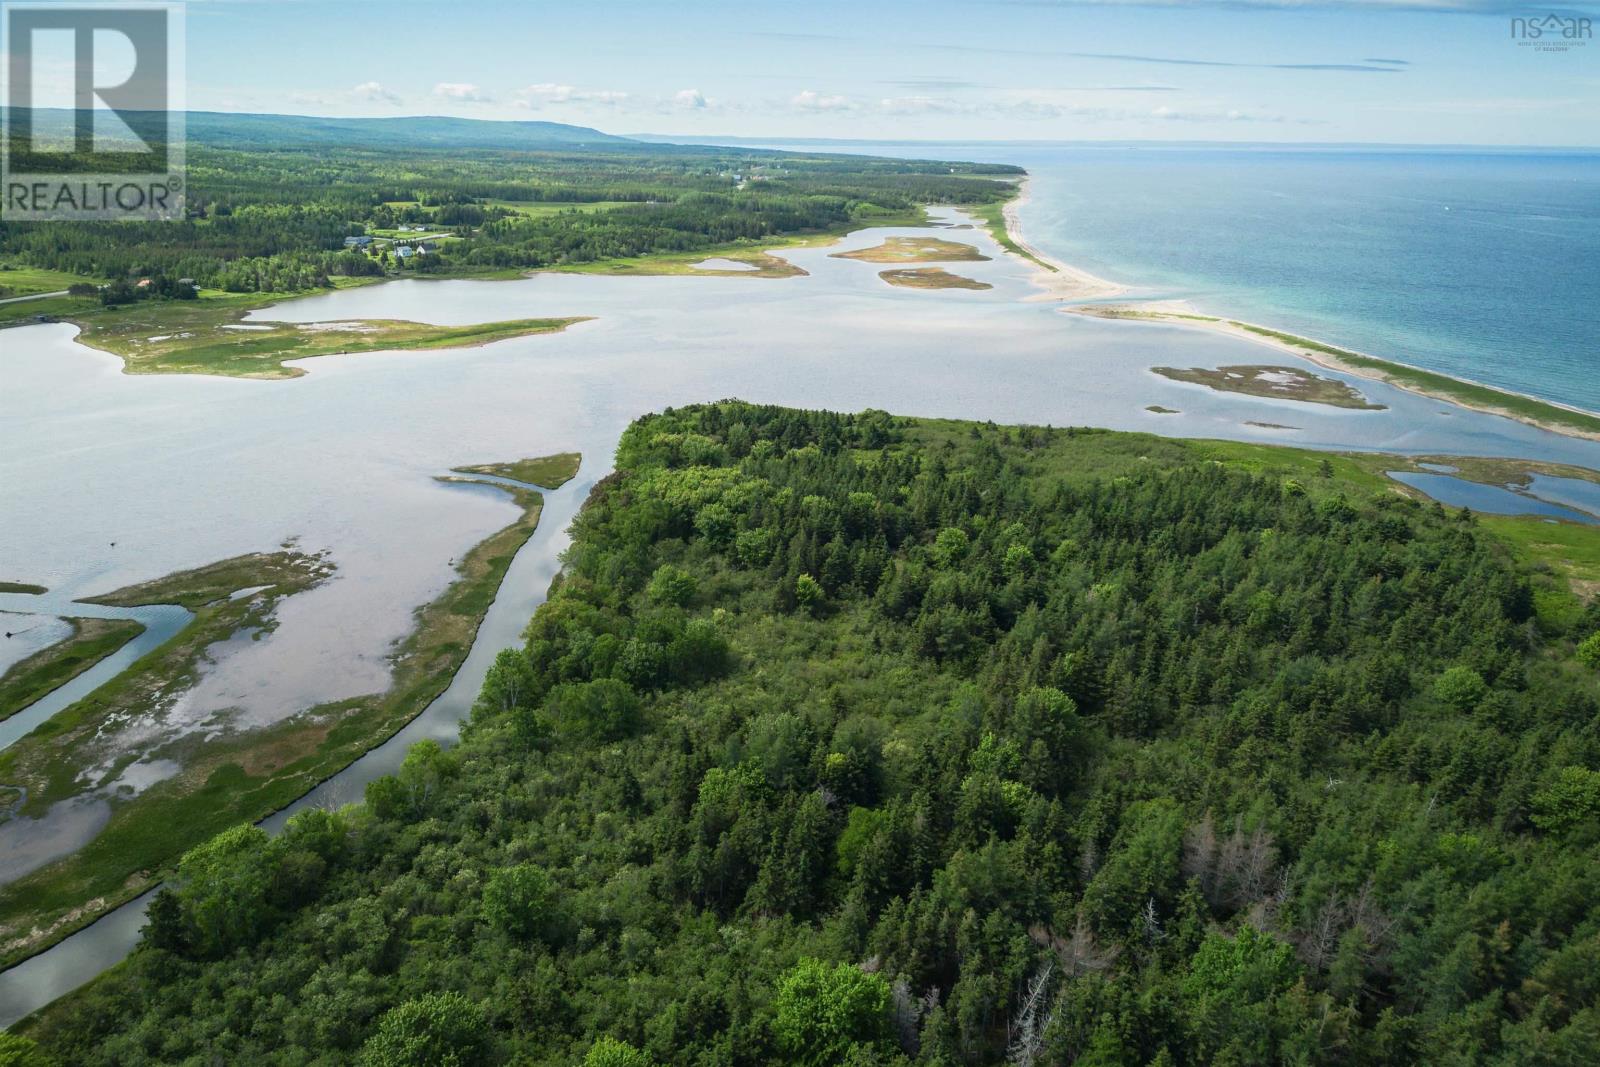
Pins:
x: 1481, y: 263
x: 182, y: 471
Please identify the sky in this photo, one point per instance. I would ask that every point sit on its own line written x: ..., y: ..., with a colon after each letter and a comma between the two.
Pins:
x: 1390, y: 71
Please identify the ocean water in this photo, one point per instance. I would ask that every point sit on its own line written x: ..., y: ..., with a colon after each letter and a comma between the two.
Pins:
x: 1480, y: 263
x: 1483, y: 265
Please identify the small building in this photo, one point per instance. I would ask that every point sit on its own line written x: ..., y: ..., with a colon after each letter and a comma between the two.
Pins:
x: 404, y: 252
x: 427, y: 246
x: 188, y: 283
x: 357, y: 242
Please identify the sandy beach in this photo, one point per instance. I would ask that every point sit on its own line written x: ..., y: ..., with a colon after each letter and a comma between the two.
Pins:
x: 1182, y: 313
x: 1068, y: 283
x: 1062, y: 281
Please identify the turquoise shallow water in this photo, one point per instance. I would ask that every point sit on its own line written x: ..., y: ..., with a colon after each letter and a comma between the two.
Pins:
x: 1480, y: 263
x: 1483, y: 265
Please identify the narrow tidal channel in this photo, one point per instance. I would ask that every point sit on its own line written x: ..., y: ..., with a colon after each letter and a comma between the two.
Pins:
x: 58, y: 970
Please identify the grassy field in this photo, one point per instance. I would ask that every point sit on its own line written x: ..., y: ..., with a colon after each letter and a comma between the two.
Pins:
x: 24, y: 281
x: 48, y: 669
x: 1282, y: 383
x: 915, y: 250
x: 993, y: 218
x: 537, y: 208
x: 239, y: 777
x: 547, y: 472
x: 930, y: 278
x: 209, y: 335
x: 683, y: 263
x: 23, y: 312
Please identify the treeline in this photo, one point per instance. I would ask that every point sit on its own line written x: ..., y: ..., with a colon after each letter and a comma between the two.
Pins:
x: 275, y: 221
x: 849, y: 739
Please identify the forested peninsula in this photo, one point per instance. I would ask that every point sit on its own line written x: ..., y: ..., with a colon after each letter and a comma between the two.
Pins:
x: 872, y: 740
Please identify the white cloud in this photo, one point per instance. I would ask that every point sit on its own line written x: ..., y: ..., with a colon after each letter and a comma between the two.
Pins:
x: 535, y: 96
x: 464, y: 92
x: 1174, y: 114
x: 811, y: 100
x: 924, y: 106
x: 1502, y: 105
x: 375, y: 93
x: 691, y: 98
x: 1057, y: 105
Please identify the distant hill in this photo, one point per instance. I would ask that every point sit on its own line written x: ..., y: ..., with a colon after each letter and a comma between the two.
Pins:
x: 424, y: 131
x: 240, y: 130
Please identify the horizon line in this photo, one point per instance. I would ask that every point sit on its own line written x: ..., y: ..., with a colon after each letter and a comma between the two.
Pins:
x: 732, y: 140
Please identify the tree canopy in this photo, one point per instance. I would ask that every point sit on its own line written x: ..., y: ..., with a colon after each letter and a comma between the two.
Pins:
x: 855, y: 739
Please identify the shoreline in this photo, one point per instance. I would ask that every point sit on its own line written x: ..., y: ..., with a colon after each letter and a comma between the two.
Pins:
x: 1387, y: 371
x: 1058, y: 279
x: 281, y: 762
x: 1078, y: 285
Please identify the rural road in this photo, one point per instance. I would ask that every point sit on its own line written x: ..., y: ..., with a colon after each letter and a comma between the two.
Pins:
x: 32, y: 296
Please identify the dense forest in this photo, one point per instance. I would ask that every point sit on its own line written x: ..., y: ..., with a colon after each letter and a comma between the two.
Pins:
x: 863, y: 740
x: 272, y: 216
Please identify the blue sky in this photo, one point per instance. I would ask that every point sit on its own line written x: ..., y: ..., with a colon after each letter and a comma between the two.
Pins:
x: 1424, y: 71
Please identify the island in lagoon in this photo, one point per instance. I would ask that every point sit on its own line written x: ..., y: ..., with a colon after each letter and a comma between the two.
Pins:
x: 915, y: 250
x: 930, y: 278
x: 1281, y: 383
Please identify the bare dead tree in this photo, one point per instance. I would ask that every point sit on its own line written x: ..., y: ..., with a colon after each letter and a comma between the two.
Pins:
x: 1152, y: 923
x: 1340, y: 914
x: 1026, y: 1031
x: 1234, y: 872
x: 1078, y: 954
x: 1245, y: 866
x: 1318, y: 944
x: 905, y: 1011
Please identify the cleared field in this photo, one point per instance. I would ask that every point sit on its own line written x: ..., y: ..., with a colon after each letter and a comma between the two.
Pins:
x: 538, y: 208
x: 25, y: 281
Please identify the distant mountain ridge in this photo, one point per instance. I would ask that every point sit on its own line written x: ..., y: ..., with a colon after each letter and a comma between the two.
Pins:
x: 227, y: 129
x: 426, y: 131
